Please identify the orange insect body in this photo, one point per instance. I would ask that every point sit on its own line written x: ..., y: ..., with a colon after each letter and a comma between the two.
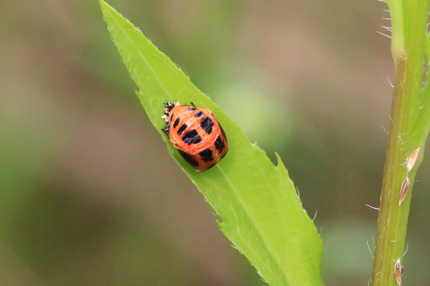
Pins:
x: 196, y: 134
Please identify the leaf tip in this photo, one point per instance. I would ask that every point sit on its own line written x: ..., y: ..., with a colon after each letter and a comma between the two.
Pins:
x: 279, y: 162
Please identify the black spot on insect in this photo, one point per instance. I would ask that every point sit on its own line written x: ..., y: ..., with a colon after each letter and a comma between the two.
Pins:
x: 176, y: 122
x: 166, y: 129
x: 219, y: 144
x: 207, y: 125
x: 189, y: 159
x: 206, y: 155
x: 199, y: 114
x: 191, y: 109
x: 169, y: 106
x: 182, y: 128
x: 192, y: 137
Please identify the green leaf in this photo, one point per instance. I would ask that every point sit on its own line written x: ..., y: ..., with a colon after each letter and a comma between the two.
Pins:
x: 422, y: 121
x: 257, y: 202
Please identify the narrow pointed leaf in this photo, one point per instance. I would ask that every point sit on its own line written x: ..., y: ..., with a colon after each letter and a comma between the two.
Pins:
x: 257, y: 203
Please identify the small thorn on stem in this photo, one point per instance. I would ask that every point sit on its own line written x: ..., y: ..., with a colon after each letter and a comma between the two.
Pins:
x: 412, y: 159
x: 404, y: 190
x: 398, y: 271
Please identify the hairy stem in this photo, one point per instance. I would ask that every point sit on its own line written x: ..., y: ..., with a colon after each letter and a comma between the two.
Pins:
x: 409, y: 19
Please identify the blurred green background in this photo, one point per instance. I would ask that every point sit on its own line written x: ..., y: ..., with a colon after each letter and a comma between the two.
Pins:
x: 90, y: 196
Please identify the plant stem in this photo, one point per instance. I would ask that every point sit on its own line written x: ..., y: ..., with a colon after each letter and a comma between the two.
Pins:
x: 409, y: 33
x: 391, y: 223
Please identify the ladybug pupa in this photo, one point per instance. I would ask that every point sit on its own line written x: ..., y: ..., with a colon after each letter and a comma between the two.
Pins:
x: 196, y: 133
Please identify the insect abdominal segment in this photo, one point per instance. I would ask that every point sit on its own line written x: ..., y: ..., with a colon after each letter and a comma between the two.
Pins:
x: 196, y: 134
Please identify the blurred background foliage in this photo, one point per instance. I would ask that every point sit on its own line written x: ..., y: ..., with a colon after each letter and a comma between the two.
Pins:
x: 89, y: 195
